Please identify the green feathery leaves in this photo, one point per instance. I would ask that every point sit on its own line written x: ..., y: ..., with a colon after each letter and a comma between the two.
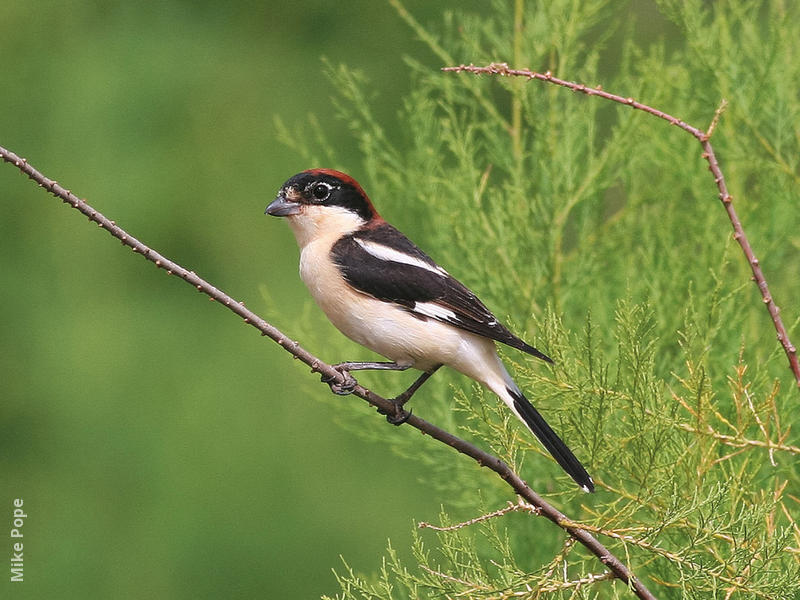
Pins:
x: 596, y: 232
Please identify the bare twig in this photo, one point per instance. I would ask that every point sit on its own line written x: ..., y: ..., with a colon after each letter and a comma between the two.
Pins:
x: 510, y: 507
x: 739, y: 441
x: 484, y: 459
x: 715, y: 120
x: 704, y: 137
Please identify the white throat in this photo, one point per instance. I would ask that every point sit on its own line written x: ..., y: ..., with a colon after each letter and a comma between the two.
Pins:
x: 323, y: 222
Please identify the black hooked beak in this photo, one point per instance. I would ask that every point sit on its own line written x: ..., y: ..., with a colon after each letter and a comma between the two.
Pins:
x: 281, y: 207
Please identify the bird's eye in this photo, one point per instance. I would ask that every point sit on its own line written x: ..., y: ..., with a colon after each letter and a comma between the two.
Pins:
x: 320, y: 191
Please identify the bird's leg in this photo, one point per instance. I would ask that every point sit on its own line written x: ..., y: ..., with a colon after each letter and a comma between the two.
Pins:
x: 401, y: 399
x: 400, y: 416
x: 343, y: 389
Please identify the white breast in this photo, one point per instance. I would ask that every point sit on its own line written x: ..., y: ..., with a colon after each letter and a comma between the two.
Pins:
x: 390, y: 330
x: 385, y: 328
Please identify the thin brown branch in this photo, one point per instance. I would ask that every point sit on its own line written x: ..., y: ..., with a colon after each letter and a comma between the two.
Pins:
x: 704, y: 137
x: 484, y: 459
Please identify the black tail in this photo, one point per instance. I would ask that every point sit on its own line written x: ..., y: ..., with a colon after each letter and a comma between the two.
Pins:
x: 551, y: 441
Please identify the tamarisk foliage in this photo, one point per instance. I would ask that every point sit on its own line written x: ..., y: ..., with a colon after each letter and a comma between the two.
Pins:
x: 600, y: 231
x: 597, y: 229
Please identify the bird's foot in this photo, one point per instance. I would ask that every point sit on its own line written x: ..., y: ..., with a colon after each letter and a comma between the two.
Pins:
x: 344, y: 388
x: 398, y: 415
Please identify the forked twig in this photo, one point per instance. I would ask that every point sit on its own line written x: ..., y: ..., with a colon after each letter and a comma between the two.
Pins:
x: 484, y: 459
x: 704, y: 137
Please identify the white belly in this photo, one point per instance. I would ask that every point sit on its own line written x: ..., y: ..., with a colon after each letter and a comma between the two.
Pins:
x: 392, y: 331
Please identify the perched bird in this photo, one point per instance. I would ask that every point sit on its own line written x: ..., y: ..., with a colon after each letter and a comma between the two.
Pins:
x: 383, y: 292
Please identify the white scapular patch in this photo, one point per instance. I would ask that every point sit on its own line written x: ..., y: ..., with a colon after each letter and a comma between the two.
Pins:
x: 436, y: 311
x: 385, y: 253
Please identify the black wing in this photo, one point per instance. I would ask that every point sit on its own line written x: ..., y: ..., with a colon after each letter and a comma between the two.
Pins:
x: 385, y: 264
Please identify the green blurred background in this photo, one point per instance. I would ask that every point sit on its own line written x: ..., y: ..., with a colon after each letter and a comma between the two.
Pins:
x: 161, y: 447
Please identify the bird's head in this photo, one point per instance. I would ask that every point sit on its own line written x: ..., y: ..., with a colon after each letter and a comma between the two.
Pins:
x: 323, y: 202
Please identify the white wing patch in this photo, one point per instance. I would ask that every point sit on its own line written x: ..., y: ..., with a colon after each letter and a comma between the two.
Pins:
x: 390, y: 254
x: 435, y: 311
